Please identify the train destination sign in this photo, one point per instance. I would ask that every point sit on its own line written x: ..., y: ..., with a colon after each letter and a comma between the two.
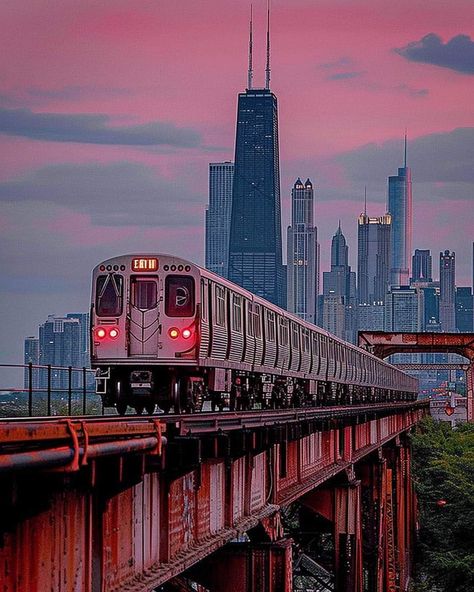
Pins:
x: 144, y: 264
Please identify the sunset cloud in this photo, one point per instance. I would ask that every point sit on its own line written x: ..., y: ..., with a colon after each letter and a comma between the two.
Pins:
x: 456, y: 54
x: 93, y: 129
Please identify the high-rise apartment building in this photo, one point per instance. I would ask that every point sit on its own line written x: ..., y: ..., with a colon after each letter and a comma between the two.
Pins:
x: 60, y: 344
x: 464, y: 310
x: 31, y: 356
x: 400, y: 208
x: 339, y: 291
x: 373, y: 261
x: 255, y: 246
x: 303, y: 254
x: 221, y: 176
x: 447, y: 291
x: 403, y: 309
x: 421, y: 267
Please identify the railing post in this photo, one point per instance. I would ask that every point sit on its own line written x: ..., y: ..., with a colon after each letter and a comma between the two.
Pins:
x: 49, y: 389
x: 69, y: 390
x: 30, y: 389
x: 84, y: 391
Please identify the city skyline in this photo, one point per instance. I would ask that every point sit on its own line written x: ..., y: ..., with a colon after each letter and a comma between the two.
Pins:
x: 108, y: 121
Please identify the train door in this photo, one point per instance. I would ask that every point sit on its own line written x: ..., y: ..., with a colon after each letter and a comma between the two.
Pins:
x: 144, y: 316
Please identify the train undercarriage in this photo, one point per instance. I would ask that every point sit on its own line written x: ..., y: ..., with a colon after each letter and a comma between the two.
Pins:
x: 185, y: 390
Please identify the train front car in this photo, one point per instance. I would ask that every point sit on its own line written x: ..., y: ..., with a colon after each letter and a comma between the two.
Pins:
x: 145, y: 333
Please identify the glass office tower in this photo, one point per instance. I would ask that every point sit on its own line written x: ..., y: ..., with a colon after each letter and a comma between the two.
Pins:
x: 255, y: 248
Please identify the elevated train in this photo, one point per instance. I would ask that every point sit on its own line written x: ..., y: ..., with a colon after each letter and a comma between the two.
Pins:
x: 169, y: 333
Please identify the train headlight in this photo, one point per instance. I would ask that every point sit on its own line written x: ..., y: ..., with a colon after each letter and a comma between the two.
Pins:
x: 173, y: 332
x: 100, y: 333
x: 186, y: 333
x: 114, y: 333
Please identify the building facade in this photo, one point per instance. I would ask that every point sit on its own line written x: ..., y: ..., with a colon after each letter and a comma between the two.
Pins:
x: 400, y: 208
x: 447, y: 291
x: 403, y: 309
x: 339, y: 291
x: 31, y: 356
x: 422, y: 267
x: 255, y: 247
x: 221, y: 176
x: 373, y: 260
x: 464, y: 310
x: 302, y: 254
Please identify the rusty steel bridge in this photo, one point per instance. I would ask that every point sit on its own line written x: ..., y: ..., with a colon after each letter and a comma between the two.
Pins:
x: 200, y: 502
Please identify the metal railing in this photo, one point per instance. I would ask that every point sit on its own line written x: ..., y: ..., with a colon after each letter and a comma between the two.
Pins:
x: 48, y: 390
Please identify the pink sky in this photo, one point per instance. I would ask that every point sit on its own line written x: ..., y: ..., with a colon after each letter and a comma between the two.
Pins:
x: 340, y: 84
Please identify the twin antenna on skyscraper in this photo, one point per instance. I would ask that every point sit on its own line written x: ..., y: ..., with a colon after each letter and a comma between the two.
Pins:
x: 267, y: 69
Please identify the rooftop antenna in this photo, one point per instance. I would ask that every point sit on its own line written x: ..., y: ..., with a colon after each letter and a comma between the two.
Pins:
x: 405, y: 155
x: 365, y: 200
x: 267, y: 70
x: 250, y: 71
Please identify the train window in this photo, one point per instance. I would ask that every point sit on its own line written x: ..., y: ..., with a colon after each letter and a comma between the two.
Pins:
x: 219, y: 314
x: 179, y: 296
x: 144, y: 293
x: 257, y: 331
x: 283, y: 331
x: 270, y: 326
x: 305, y: 340
x: 315, y: 344
x: 203, y: 300
x: 237, y: 313
x: 250, y: 325
x: 109, y: 295
x: 324, y: 352
x: 294, y: 335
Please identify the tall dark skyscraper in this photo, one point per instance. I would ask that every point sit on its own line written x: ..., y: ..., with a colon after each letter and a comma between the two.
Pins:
x: 255, y: 247
x: 303, y: 253
x: 373, y: 261
x: 221, y: 175
x: 400, y: 208
x: 422, y: 266
x: 447, y: 291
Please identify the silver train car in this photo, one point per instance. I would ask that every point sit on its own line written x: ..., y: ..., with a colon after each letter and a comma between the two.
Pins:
x: 169, y: 333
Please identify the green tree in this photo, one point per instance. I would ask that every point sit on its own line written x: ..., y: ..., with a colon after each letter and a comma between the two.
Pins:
x: 443, y: 471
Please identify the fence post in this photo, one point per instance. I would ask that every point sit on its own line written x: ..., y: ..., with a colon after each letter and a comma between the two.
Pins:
x: 49, y: 389
x: 69, y: 390
x: 84, y: 391
x: 30, y: 389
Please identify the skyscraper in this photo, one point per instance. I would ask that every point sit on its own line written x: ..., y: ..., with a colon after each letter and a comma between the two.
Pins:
x: 403, y: 309
x: 339, y: 290
x: 303, y: 254
x: 221, y: 175
x: 422, y: 266
x: 60, y: 344
x: 255, y: 247
x: 31, y: 356
x: 400, y: 208
x: 447, y: 291
x: 373, y: 261
x: 464, y: 310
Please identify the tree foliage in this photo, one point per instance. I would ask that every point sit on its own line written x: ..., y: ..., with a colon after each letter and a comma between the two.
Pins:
x: 443, y: 471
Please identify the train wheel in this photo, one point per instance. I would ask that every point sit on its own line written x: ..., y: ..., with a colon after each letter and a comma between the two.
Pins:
x: 150, y: 408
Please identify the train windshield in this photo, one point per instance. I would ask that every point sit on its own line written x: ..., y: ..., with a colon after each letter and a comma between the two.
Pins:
x: 144, y: 293
x: 179, y: 296
x: 109, y: 295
